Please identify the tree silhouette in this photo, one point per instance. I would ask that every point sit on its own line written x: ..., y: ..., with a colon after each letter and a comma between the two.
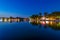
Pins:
x: 34, y: 16
x: 45, y: 14
x: 40, y: 15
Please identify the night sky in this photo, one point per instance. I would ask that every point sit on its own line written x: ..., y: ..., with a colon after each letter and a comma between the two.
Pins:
x: 25, y: 8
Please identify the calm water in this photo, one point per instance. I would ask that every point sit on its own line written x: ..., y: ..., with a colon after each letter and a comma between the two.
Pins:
x: 26, y: 31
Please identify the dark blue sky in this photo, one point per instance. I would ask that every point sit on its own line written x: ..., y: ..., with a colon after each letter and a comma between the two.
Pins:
x: 25, y: 8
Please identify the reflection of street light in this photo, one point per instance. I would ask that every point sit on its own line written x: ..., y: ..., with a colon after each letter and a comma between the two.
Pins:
x: 43, y: 22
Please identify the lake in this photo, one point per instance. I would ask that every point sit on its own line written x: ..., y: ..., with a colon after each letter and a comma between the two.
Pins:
x: 29, y: 31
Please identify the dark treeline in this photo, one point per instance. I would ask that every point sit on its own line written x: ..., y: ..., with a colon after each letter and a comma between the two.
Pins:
x: 46, y: 14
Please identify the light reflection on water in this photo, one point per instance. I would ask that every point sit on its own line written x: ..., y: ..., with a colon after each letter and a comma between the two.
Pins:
x: 52, y: 24
x: 32, y: 30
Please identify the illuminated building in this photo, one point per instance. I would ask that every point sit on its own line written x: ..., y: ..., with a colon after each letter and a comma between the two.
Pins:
x: 1, y: 20
x: 27, y: 19
x: 43, y: 18
x: 5, y: 19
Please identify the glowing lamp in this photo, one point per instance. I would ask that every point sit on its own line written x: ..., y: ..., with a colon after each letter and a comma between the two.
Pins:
x: 47, y: 22
x: 43, y: 18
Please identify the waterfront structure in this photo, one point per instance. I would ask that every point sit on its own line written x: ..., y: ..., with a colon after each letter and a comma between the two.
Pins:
x: 55, y: 15
x: 26, y: 19
x: 31, y: 19
x: 4, y: 19
x: 10, y: 19
x: 47, y: 17
x: 0, y: 19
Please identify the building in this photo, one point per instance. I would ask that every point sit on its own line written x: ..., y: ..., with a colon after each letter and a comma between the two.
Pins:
x: 11, y: 19
x: 26, y: 19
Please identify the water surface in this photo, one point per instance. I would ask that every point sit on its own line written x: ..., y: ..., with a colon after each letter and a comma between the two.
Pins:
x: 27, y: 31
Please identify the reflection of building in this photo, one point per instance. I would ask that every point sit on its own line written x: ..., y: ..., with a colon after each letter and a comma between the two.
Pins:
x: 52, y: 24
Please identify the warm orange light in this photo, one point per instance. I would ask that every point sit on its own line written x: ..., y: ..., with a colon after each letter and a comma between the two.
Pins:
x: 5, y: 20
x: 37, y: 21
x: 51, y: 18
x: 9, y: 20
x: 51, y: 22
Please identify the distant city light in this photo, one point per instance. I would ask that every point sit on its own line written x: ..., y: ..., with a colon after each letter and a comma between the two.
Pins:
x: 51, y: 22
x: 5, y: 20
x: 47, y: 22
x: 47, y: 18
x: 0, y: 20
